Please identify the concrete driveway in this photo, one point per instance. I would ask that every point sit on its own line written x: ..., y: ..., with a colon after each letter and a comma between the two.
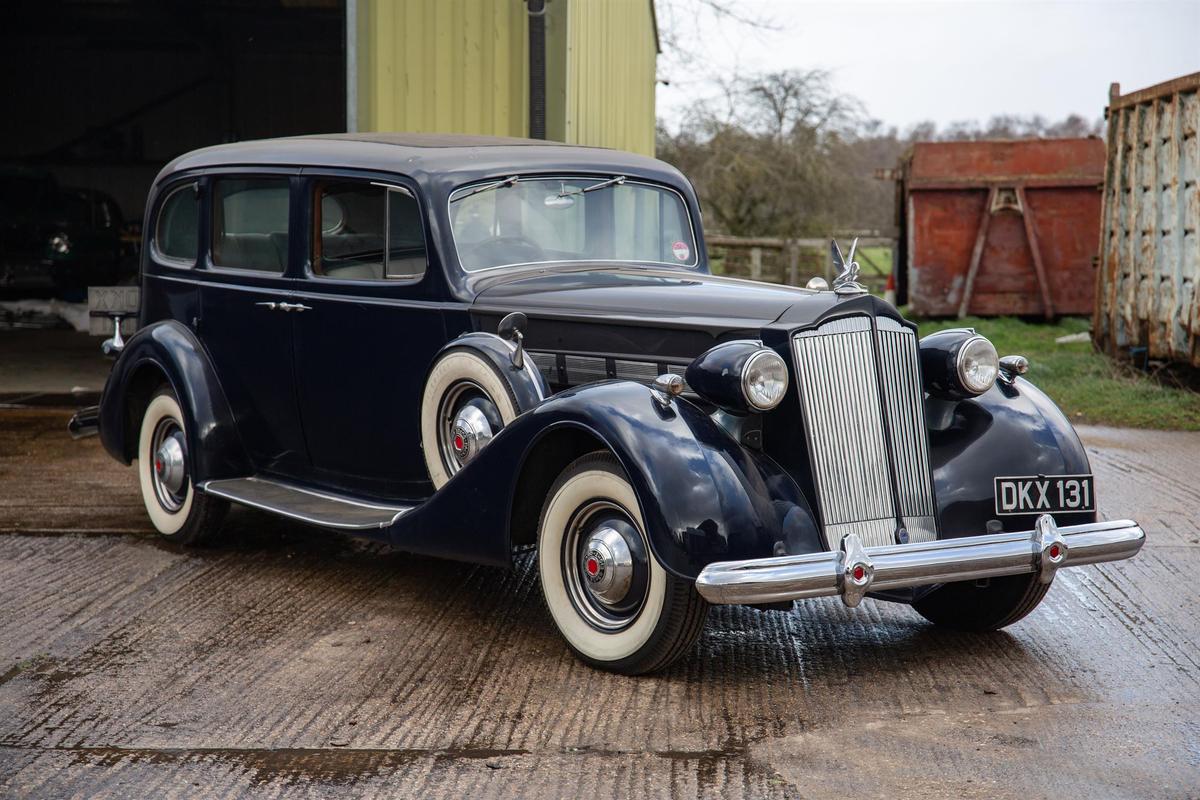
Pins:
x: 291, y: 662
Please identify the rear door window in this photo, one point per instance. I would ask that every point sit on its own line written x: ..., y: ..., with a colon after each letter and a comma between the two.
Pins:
x: 250, y: 223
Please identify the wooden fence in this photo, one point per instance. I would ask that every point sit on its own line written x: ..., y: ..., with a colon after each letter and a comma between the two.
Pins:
x: 794, y: 261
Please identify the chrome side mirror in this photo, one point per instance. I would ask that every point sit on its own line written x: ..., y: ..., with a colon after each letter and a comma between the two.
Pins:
x: 512, y: 328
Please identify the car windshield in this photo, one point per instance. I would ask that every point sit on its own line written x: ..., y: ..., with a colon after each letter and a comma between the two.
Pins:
x: 540, y: 220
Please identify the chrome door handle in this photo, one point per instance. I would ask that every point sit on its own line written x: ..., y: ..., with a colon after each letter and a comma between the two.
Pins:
x: 294, y: 307
x: 269, y: 305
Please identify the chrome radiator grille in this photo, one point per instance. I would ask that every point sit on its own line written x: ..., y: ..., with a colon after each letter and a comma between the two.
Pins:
x: 867, y: 442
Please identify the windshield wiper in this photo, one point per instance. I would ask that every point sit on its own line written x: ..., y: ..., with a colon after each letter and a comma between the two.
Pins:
x: 614, y: 181
x: 487, y: 187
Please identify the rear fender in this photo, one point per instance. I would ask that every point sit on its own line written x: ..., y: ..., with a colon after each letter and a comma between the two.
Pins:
x: 169, y: 353
x: 527, y: 383
x: 703, y: 496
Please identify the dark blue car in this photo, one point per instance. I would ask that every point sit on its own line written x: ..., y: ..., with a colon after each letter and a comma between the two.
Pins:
x: 466, y: 347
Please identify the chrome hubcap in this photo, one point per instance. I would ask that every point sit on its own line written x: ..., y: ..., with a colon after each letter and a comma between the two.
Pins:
x: 605, y: 565
x: 467, y: 421
x: 470, y: 433
x: 169, y: 468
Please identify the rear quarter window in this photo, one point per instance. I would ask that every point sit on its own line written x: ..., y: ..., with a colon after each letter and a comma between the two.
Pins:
x: 177, y: 236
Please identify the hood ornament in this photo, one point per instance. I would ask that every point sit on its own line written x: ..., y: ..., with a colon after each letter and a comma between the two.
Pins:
x: 846, y: 282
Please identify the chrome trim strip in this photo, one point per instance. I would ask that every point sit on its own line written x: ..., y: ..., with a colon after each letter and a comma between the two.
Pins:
x: 243, y: 490
x: 772, y: 580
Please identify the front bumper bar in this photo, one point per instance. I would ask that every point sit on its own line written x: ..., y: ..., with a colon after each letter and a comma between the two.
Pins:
x: 854, y: 570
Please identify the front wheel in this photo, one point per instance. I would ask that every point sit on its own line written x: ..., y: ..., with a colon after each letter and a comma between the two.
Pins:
x: 615, y: 605
x: 990, y: 606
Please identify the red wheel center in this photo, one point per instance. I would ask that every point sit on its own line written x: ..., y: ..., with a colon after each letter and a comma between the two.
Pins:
x: 593, y: 566
x: 859, y: 573
x: 1054, y: 551
x: 459, y: 444
x: 158, y: 465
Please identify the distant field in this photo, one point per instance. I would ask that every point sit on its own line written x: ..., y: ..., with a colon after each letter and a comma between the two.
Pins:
x: 1088, y: 386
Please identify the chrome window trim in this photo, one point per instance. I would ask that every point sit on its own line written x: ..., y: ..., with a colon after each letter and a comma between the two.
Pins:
x: 694, y: 265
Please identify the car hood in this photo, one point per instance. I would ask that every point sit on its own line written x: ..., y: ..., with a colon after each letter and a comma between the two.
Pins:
x: 642, y: 296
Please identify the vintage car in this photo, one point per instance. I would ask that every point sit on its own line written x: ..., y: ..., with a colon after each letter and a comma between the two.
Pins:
x: 54, y: 238
x: 472, y: 347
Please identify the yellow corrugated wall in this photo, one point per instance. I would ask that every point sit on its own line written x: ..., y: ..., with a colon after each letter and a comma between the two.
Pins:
x: 461, y: 66
x: 610, y: 74
x: 443, y: 66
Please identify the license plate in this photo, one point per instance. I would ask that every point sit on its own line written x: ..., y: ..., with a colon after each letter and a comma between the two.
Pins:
x: 1044, y: 494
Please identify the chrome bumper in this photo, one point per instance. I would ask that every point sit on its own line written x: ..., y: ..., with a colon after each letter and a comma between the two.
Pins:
x: 855, y: 570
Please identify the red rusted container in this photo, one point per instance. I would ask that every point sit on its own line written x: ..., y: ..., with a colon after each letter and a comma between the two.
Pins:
x: 1001, y: 227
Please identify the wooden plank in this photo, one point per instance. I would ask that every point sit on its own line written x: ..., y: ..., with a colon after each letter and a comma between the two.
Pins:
x: 1038, y: 267
x: 977, y: 254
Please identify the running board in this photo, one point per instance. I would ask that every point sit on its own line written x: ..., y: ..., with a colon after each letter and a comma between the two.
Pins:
x: 305, y: 505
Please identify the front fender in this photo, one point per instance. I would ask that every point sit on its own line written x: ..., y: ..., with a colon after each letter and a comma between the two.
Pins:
x: 1009, y: 430
x: 168, y: 352
x: 703, y: 496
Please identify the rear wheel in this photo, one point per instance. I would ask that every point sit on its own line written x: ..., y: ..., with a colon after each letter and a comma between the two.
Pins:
x: 969, y: 606
x: 615, y: 605
x: 178, y: 511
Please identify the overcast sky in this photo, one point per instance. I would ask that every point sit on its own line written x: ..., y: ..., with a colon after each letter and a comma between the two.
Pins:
x: 947, y: 61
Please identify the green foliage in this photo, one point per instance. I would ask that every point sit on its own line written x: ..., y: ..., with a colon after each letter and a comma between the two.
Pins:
x: 1088, y: 386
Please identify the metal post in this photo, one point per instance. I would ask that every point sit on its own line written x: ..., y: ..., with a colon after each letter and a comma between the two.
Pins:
x: 351, y: 66
x: 793, y: 264
x: 756, y: 263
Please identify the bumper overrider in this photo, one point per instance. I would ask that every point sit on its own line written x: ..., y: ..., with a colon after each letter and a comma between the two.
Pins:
x: 853, y: 570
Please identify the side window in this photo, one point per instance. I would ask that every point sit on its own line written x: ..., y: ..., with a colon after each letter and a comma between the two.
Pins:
x: 364, y: 231
x: 250, y: 223
x: 177, y: 235
x: 350, y: 230
x: 406, y: 240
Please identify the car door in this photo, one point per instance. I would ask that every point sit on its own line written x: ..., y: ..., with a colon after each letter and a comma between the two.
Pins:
x: 246, y: 306
x: 375, y: 325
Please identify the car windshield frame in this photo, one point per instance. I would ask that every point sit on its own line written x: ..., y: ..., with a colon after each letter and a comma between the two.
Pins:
x: 501, y: 183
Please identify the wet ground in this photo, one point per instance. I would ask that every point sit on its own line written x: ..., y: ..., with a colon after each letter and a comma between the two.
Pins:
x: 290, y: 662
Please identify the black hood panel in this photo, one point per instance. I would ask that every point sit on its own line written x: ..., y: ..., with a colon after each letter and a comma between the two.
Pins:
x: 643, y: 296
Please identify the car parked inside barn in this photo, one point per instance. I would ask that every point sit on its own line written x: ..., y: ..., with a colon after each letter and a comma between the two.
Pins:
x: 465, y: 347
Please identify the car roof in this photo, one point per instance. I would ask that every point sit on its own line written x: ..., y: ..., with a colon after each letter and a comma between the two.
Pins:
x: 453, y: 155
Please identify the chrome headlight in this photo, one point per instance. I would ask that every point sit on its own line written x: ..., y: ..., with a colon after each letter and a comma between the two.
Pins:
x: 739, y: 376
x: 958, y: 363
x: 764, y: 380
x: 977, y: 364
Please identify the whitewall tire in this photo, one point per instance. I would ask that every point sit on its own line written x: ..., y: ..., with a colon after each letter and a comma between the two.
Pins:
x: 464, y: 404
x: 178, y: 512
x: 613, y: 603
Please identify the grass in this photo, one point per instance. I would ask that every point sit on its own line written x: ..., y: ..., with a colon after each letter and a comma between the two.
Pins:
x: 1087, y: 385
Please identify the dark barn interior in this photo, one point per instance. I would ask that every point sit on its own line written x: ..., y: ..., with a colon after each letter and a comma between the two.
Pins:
x: 102, y: 93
